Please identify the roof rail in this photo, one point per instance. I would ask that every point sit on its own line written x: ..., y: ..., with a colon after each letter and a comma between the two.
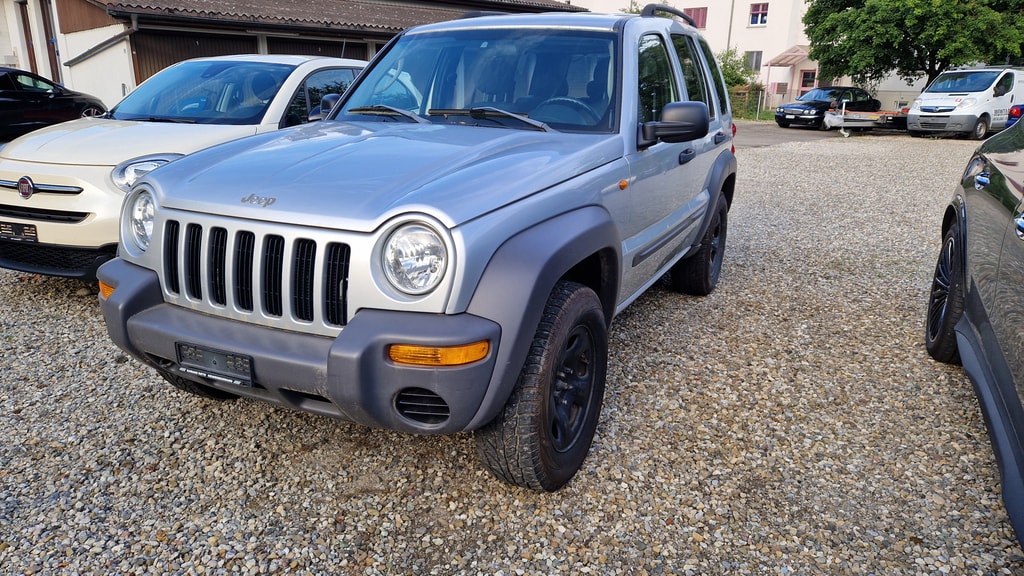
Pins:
x: 650, y: 9
x: 479, y: 13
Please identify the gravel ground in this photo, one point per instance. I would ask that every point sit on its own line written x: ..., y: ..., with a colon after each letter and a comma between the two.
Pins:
x: 790, y: 423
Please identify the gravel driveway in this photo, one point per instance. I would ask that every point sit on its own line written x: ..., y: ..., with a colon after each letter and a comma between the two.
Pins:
x: 790, y: 423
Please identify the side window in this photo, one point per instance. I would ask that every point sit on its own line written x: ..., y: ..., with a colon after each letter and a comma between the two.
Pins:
x: 334, y: 81
x: 1004, y: 85
x: 31, y: 84
x: 694, y: 77
x: 716, y: 77
x: 656, y: 84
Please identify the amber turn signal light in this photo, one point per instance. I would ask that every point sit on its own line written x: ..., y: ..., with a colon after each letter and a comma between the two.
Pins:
x: 438, y: 355
x: 105, y: 290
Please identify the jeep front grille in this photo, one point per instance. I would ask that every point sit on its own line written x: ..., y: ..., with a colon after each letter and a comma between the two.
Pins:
x: 256, y: 276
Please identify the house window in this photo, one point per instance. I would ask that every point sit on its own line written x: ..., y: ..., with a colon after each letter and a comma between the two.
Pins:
x: 807, y: 78
x: 753, y: 60
x: 758, y: 14
x: 699, y: 15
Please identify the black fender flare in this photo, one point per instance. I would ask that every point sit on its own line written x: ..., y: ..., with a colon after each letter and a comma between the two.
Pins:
x: 518, y: 280
x: 718, y: 184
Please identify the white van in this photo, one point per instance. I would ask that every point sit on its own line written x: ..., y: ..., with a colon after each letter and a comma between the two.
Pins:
x: 969, y: 101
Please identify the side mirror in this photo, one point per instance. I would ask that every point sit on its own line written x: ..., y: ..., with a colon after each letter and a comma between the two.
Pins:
x: 326, y: 104
x: 680, y: 122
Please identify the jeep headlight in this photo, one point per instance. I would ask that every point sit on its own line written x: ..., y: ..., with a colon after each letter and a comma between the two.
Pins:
x: 126, y: 173
x: 139, y: 214
x: 414, y: 259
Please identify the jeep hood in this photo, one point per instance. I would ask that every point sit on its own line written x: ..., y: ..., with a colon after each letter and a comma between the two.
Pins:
x: 105, y: 142
x: 355, y: 176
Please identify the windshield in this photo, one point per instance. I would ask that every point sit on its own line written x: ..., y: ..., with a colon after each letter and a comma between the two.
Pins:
x: 528, y: 79
x: 821, y: 94
x: 963, y: 81
x: 205, y: 92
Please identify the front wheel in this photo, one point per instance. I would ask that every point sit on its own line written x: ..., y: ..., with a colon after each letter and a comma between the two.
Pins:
x: 698, y: 274
x: 946, y: 300
x: 91, y: 111
x: 541, y: 437
x: 980, y: 129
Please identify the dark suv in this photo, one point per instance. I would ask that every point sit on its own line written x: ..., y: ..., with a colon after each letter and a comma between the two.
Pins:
x: 447, y: 250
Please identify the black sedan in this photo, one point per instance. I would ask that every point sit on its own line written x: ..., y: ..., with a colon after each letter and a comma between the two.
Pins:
x: 976, y: 308
x: 28, y: 102
x: 809, y: 109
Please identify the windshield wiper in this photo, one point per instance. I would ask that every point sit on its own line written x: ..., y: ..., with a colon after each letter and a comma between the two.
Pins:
x: 165, y: 119
x: 384, y: 110
x: 481, y: 112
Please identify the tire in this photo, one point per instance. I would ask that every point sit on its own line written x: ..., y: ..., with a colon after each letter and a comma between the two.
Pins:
x: 980, y: 129
x: 90, y: 111
x: 698, y: 274
x: 543, y: 434
x: 915, y: 133
x: 196, y: 388
x: 946, y: 300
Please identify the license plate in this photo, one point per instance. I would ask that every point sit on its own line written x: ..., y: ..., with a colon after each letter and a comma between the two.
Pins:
x: 214, y: 364
x: 18, y: 232
x: 790, y: 116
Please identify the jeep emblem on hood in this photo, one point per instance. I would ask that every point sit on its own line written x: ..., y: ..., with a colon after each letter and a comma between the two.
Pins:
x: 26, y: 187
x: 262, y: 201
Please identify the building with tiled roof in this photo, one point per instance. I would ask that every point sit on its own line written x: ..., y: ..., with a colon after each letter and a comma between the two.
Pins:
x: 107, y: 48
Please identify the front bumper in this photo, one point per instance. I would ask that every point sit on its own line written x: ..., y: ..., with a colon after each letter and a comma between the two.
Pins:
x: 941, y: 122
x: 68, y: 227
x: 798, y: 119
x: 348, y: 377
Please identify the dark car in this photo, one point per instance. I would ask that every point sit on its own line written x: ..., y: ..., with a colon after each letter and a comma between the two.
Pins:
x: 28, y: 102
x: 976, y: 307
x: 809, y: 109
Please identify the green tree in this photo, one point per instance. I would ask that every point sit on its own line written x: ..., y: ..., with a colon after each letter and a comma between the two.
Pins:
x: 870, y: 39
x: 735, y: 69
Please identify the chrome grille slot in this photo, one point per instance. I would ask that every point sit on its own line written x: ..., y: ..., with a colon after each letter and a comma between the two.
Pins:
x: 193, y: 261
x: 273, y: 270
x: 256, y: 274
x: 336, y: 284
x: 245, y: 257
x: 171, y: 280
x: 303, y: 279
x: 218, y: 269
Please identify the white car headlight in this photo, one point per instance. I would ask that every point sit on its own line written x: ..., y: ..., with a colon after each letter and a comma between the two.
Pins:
x: 414, y: 259
x: 916, y: 105
x: 139, y: 215
x: 966, y: 102
x: 126, y: 173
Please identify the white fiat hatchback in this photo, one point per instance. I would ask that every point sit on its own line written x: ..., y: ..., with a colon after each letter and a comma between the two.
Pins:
x: 61, y: 187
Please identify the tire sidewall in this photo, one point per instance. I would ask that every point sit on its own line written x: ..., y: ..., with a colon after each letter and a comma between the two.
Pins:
x: 581, y: 308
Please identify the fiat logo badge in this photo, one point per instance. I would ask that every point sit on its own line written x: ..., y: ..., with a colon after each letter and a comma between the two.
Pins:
x: 26, y: 187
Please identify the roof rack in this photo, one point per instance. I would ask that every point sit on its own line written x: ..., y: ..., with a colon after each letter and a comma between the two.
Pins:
x: 650, y: 10
x: 480, y: 13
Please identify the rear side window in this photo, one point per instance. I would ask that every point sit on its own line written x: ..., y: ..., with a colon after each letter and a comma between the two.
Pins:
x: 716, y: 77
x: 656, y: 84
x: 694, y: 77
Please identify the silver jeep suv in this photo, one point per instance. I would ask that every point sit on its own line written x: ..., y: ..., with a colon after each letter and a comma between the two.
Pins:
x: 447, y: 251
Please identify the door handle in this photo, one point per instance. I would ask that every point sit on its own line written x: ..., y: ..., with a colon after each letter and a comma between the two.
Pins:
x: 719, y: 138
x: 687, y: 155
